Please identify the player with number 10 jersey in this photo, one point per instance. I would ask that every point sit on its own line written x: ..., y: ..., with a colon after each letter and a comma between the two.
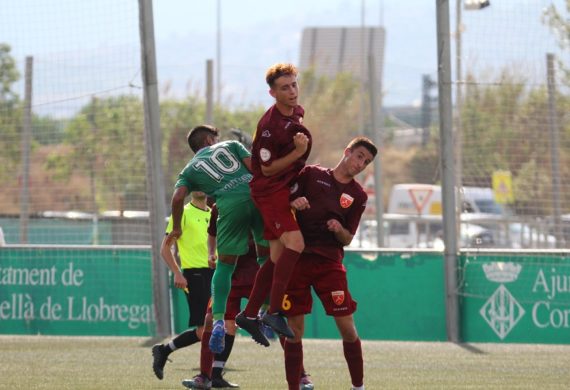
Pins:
x: 221, y: 170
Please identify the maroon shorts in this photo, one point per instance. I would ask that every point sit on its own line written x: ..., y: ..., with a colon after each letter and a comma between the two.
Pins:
x: 278, y: 217
x: 328, y: 279
x: 233, y: 304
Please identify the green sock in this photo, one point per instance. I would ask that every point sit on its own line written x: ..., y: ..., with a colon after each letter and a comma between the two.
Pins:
x: 221, y: 284
x: 261, y: 260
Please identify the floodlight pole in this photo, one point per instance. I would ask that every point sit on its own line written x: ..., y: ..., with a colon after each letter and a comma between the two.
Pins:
x: 218, y: 53
x: 458, y: 94
x: 447, y: 169
x: 26, y: 142
x: 376, y: 128
x: 155, y: 182
x: 209, y: 92
x: 554, y: 147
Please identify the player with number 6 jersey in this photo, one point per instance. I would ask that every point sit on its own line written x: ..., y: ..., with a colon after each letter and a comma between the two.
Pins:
x: 222, y: 171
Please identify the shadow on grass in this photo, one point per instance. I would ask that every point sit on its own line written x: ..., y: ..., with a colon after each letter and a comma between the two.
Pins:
x: 151, y: 341
x: 471, y: 348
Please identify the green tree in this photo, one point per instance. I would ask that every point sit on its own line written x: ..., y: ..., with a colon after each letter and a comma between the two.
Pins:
x: 8, y: 74
x: 105, y: 142
x: 332, y: 107
x: 10, y: 114
x: 47, y: 130
x: 559, y: 23
x: 505, y: 127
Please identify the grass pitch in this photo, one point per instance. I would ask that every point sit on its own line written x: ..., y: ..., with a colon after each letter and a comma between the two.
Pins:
x: 44, y: 362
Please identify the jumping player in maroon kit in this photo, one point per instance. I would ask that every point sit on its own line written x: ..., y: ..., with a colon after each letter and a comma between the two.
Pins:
x: 329, y: 204
x: 280, y: 149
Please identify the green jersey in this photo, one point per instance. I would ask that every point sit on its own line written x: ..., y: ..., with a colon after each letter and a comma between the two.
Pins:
x: 218, y: 170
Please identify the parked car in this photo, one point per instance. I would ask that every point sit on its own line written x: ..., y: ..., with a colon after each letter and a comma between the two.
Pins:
x: 404, y: 231
x: 472, y: 236
x: 527, y: 236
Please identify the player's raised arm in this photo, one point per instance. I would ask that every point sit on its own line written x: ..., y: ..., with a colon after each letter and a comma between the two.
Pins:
x: 301, y: 142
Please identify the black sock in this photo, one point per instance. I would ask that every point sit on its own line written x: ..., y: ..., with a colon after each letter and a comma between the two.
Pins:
x: 220, y: 359
x: 184, y: 339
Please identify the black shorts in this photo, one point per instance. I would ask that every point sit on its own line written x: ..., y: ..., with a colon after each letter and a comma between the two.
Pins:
x: 199, y: 292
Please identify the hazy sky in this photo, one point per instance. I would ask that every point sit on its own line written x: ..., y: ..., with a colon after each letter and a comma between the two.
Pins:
x: 256, y: 34
x: 82, y: 46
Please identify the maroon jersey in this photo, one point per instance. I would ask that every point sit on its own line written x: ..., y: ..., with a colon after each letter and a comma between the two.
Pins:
x: 246, y: 266
x: 328, y: 199
x: 272, y: 141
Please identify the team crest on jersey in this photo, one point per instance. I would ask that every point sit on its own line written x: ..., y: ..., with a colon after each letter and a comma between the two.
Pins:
x: 264, y: 154
x: 346, y: 200
x: 337, y: 297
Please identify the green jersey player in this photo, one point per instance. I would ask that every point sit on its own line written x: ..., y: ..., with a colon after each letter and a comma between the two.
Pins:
x: 222, y: 171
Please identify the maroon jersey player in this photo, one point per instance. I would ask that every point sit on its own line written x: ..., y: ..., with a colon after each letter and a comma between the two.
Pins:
x: 280, y: 149
x: 329, y: 204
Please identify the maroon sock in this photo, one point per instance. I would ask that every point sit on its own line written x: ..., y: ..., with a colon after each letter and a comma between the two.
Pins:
x: 206, y: 356
x: 353, y: 356
x: 293, y: 363
x: 261, y: 287
x: 281, y: 275
x: 282, y: 342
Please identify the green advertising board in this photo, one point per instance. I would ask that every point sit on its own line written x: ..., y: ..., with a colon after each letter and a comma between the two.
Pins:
x: 76, y: 291
x: 400, y: 296
x: 515, y: 298
x: 508, y: 297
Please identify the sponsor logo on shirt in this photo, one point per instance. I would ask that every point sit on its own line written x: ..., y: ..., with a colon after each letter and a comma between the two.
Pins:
x: 337, y: 297
x: 346, y: 200
x: 324, y: 183
x: 266, y: 133
x: 264, y: 154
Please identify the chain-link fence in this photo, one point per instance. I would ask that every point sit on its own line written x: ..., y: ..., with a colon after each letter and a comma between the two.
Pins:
x: 74, y: 165
x: 511, y: 128
x: 72, y: 124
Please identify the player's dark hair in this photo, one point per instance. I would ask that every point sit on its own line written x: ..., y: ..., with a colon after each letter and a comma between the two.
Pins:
x: 278, y: 70
x: 364, y: 142
x: 198, y: 135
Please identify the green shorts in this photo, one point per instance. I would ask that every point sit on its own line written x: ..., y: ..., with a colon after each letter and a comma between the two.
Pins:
x: 235, y: 224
